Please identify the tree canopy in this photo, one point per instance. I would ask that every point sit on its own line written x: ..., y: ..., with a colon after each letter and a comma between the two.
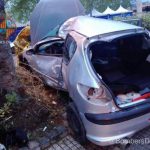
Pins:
x: 20, y: 10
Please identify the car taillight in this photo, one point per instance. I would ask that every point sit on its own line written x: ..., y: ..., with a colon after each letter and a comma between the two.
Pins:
x: 95, y: 94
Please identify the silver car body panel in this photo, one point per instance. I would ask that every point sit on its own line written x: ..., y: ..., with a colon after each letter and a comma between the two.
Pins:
x: 76, y: 79
x: 89, y: 26
x: 41, y: 65
x: 48, y: 66
x: 104, y: 135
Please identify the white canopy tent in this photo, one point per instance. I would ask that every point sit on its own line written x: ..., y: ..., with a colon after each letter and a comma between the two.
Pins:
x: 122, y: 10
x: 96, y: 13
x: 109, y: 11
x: 119, y: 12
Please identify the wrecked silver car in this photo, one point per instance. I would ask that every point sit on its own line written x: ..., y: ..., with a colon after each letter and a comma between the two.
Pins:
x: 105, y: 67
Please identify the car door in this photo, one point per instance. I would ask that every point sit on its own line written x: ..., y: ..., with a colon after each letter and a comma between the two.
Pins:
x: 76, y: 72
x: 69, y: 50
x: 47, y: 61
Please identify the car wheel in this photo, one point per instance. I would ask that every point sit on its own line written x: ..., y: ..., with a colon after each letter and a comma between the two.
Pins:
x: 140, y: 141
x: 22, y: 60
x: 75, y: 123
x: 24, y: 63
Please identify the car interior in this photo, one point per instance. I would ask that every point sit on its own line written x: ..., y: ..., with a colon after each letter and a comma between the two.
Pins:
x: 124, y: 65
x: 55, y: 49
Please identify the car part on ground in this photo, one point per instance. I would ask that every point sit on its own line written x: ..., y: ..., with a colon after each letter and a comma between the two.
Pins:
x: 22, y: 41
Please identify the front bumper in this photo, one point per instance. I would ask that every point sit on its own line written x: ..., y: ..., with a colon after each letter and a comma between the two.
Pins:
x: 107, y: 129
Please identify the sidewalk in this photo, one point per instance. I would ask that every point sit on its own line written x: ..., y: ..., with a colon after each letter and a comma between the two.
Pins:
x: 67, y: 143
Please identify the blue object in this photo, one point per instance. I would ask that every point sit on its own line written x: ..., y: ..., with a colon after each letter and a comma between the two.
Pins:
x: 13, y: 36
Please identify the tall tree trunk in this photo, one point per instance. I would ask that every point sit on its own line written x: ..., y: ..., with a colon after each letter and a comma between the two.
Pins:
x: 7, y: 69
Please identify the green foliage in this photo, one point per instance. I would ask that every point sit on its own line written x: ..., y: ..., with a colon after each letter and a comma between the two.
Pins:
x: 88, y: 4
x: 11, y: 97
x: 146, y: 20
x: 20, y: 10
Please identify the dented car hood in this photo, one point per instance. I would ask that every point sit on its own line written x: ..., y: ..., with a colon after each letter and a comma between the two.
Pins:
x: 48, y: 14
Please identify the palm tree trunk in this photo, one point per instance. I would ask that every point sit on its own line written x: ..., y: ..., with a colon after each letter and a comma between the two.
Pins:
x: 7, y: 69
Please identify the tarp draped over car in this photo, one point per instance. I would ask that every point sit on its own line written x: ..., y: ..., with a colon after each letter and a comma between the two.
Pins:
x: 50, y: 13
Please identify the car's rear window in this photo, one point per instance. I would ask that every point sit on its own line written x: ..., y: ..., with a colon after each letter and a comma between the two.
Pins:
x: 124, y: 47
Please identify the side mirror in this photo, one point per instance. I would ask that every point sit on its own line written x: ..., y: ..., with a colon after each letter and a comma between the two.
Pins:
x: 30, y: 52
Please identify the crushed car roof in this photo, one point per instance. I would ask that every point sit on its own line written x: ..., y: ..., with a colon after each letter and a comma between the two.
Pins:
x: 89, y: 26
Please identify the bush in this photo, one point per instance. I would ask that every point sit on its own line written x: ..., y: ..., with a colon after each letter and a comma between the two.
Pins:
x: 146, y: 20
x: 11, y: 97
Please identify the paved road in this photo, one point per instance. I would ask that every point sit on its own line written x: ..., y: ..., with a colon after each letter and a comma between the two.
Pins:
x: 68, y: 143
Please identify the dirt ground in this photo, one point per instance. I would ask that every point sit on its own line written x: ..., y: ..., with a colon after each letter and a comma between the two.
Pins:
x: 36, y: 108
x: 44, y: 103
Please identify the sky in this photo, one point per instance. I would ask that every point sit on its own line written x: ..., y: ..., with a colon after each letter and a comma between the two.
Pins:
x: 133, y: 1
x: 145, y: 0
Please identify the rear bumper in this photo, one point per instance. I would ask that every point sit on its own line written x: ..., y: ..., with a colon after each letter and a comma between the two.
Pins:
x: 106, y: 141
x: 120, y: 116
x: 108, y: 129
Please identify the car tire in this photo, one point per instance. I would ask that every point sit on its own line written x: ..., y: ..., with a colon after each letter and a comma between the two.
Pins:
x: 24, y: 63
x: 143, y: 141
x: 75, y: 124
x: 22, y: 60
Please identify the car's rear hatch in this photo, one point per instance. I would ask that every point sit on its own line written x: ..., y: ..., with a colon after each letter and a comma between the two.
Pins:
x: 124, y: 65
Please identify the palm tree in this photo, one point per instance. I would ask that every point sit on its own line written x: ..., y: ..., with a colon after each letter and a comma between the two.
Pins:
x: 7, y: 69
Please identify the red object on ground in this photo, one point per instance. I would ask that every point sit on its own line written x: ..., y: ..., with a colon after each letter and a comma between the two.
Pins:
x: 145, y: 96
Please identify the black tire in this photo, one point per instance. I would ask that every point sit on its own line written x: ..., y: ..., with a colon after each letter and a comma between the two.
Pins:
x: 24, y: 63
x: 75, y: 124
x: 143, y: 140
x: 22, y: 60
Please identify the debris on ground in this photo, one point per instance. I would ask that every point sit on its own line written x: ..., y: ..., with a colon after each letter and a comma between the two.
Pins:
x: 35, y: 88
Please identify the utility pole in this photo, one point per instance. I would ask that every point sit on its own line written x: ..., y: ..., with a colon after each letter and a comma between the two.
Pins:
x: 139, y: 6
x: 91, y: 7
